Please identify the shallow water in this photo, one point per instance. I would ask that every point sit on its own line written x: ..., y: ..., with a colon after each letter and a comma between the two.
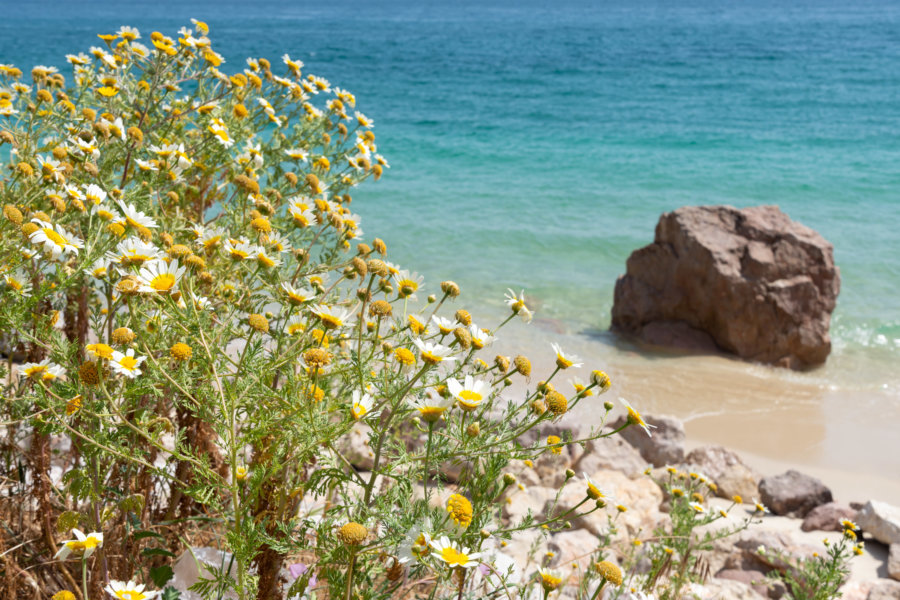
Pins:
x: 534, y: 145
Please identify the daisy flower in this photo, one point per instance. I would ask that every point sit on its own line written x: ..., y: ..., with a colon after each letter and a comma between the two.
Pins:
x: 303, y: 217
x: 470, y: 393
x: 297, y: 154
x: 277, y: 242
x: 83, y: 544
x: 434, y: 353
x: 210, y: 238
x: 126, y: 364
x: 453, y: 554
x: 135, y: 251
x: 44, y: 370
x: 550, y: 579
x: 564, y: 360
x: 264, y: 260
x: 18, y: 282
x: 129, y: 591
x: 146, y: 165
x: 516, y: 303
x: 480, y: 338
x: 363, y: 120
x: 136, y: 218
x: 331, y: 316
x: 361, y: 405
x: 160, y: 277
x: 698, y: 507
x: 634, y: 417
x: 55, y: 239
x: 408, y: 284
x: 99, y: 350
x: 295, y: 325
x: 238, y: 249
x: 432, y: 407
x: 107, y: 214
x: 416, y: 545
x: 297, y: 295
x: 445, y: 325
x: 593, y: 492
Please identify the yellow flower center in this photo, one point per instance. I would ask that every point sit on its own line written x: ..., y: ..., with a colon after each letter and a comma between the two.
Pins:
x: 359, y: 411
x: 452, y: 556
x: 331, y: 321
x: 130, y: 595
x: 36, y: 370
x: 635, y: 417
x: 563, y: 362
x: 431, y: 413
x: 100, y: 350
x: 469, y: 397
x: 431, y: 358
x: 163, y: 282
x: 54, y: 237
x: 128, y: 363
x: 295, y: 328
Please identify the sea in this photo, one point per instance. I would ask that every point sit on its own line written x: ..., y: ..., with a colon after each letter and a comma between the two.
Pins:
x: 534, y: 144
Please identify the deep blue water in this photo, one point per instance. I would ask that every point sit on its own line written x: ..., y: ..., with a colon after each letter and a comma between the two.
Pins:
x: 534, y: 144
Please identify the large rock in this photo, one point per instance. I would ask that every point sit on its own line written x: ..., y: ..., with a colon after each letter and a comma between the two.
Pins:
x: 881, y: 521
x: 751, y: 282
x: 885, y: 590
x: 573, y: 547
x: 731, y: 474
x: 828, y: 517
x: 893, y: 562
x: 640, y: 496
x: 611, y: 453
x: 666, y: 444
x: 793, y: 494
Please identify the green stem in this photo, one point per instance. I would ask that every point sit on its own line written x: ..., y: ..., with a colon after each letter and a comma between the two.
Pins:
x: 84, y: 586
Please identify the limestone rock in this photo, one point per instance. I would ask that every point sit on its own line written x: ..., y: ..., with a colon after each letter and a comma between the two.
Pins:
x: 519, y: 503
x: 724, y: 589
x: 752, y: 578
x: 196, y: 564
x: 793, y: 494
x: 880, y: 520
x: 355, y: 447
x: 885, y: 590
x: 573, y: 547
x: 665, y: 445
x: 641, y: 497
x: 751, y: 282
x: 731, y: 475
x: 828, y: 517
x: 773, y: 543
x: 611, y: 453
x: 893, y: 562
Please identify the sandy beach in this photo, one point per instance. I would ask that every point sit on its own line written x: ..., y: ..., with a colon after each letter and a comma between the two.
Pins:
x: 774, y: 418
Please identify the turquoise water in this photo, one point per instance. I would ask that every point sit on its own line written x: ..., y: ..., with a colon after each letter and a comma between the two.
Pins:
x: 534, y: 144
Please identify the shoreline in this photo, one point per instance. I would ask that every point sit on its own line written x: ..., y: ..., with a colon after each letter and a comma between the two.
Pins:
x: 774, y: 419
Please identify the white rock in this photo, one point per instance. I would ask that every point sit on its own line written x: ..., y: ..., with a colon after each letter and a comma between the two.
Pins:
x: 193, y: 564
x: 893, y: 562
x: 880, y: 520
x: 573, y: 547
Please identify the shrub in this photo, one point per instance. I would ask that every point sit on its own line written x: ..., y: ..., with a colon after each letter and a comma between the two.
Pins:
x: 196, y: 334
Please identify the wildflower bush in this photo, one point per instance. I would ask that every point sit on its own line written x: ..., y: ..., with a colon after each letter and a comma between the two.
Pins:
x: 675, y: 551
x: 818, y: 577
x: 195, y: 329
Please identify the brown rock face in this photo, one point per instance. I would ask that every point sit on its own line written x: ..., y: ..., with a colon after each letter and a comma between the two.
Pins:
x: 751, y: 282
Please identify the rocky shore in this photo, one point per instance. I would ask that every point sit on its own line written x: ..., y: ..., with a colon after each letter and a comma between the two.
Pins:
x: 802, y: 513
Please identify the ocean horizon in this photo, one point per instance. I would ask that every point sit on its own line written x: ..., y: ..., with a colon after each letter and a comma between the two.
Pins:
x: 535, y: 145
